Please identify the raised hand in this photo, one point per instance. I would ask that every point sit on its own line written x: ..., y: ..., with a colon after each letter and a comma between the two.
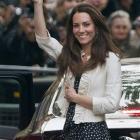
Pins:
x: 38, y: 1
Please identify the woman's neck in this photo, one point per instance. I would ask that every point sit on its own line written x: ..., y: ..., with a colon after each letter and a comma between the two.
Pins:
x: 85, y: 54
x: 86, y: 50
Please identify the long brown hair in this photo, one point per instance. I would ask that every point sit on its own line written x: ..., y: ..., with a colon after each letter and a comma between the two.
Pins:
x: 102, y: 43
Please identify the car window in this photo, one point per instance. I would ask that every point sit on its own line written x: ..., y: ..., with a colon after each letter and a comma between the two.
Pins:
x: 130, y: 101
x: 131, y: 90
x: 9, y: 101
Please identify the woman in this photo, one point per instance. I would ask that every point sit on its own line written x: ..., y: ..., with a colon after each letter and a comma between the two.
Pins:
x: 91, y: 65
x: 120, y: 27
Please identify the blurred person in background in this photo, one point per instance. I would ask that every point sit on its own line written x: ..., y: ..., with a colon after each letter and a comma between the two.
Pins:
x: 21, y: 46
x: 61, y: 29
x: 105, y: 6
x: 135, y: 33
x: 19, y: 6
x: 50, y: 4
x: 6, y: 24
x: 25, y: 6
x: 20, y: 3
x: 120, y: 27
x: 3, y: 8
x: 2, y: 26
x: 18, y: 45
x: 64, y: 7
x: 130, y: 6
x: 12, y: 12
x: 2, y: 14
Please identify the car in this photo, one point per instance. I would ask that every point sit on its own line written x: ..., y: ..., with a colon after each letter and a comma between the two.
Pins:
x: 122, y: 123
x: 21, y: 89
x: 22, y: 93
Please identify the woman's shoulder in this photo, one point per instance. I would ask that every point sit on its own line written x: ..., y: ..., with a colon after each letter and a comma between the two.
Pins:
x: 113, y: 56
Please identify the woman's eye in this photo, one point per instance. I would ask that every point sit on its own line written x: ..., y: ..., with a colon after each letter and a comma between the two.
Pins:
x: 75, y: 26
x: 86, y: 24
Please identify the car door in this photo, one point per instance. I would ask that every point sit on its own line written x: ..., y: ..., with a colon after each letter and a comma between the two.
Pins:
x: 16, y: 101
x: 21, y: 89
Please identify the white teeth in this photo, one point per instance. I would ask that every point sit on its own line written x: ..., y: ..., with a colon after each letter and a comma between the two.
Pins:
x: 82, y: 35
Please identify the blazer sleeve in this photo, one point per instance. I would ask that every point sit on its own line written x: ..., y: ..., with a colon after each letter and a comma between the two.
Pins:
x: 50, y: 45
x: 110, y: 102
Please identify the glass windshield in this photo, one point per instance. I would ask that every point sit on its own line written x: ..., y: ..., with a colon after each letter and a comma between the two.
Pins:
x: 130, y: 101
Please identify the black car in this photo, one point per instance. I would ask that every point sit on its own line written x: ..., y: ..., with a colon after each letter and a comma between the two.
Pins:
x: 21, y: 89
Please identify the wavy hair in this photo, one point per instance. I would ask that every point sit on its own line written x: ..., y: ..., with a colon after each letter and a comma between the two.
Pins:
x: 102, y: 43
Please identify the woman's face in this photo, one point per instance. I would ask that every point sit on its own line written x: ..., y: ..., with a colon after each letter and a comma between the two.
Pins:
x: 120, y: 28
x: 83, y: 28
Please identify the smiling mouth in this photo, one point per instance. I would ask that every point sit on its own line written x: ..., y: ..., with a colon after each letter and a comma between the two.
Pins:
x: 82, y: 36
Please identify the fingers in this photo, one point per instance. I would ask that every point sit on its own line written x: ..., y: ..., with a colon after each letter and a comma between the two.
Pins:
x: 67, y: 91
x: 67, y: 85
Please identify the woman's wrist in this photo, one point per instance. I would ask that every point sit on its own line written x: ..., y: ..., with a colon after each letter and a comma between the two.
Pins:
x: 38, y: 1
x: 76, y: 98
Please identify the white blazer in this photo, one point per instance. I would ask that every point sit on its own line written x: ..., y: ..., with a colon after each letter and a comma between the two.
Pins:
x: 103, y: 84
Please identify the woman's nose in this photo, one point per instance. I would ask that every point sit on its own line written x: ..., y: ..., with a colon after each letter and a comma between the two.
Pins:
x: 81, y: 29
